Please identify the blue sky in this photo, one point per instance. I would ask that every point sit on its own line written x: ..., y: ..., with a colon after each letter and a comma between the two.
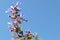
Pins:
x: 43, y: 16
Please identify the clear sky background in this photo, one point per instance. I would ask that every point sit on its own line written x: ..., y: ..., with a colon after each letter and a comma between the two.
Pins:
x: 43, y: 16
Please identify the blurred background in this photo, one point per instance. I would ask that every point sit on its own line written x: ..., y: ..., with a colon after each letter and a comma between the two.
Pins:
x: 43, y: 18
